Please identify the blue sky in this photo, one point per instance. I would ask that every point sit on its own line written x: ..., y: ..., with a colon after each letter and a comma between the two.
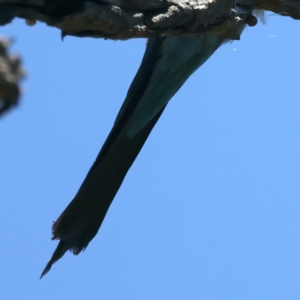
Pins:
x: 209, y: 210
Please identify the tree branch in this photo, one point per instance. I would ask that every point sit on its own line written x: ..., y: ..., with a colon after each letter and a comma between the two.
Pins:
x: 11, y: 73
x: 125, y: 19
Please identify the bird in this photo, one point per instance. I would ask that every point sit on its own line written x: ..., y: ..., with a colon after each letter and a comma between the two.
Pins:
x: 167, y: 64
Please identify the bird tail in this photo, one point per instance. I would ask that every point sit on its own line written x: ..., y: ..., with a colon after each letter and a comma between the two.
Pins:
x: 166, y: 65
x: 81, y: 220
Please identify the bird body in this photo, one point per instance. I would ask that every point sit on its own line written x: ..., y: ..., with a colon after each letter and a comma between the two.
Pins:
x: 167, y: 64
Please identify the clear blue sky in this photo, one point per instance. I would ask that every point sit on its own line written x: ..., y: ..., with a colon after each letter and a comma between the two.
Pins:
x: 209, y: 210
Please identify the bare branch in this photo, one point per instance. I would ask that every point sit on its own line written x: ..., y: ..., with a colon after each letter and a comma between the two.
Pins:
x: 125, y: 19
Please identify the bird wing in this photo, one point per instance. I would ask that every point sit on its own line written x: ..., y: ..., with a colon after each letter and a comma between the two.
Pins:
x: 167, y: 64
